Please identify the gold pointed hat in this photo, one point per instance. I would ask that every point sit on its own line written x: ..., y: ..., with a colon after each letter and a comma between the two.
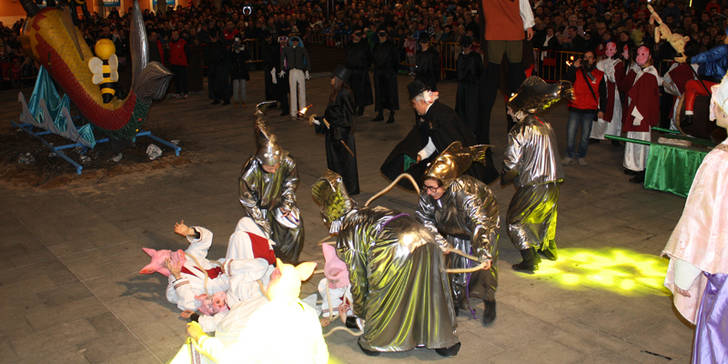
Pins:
x: 454, y: 161
x: 329, y: 193
x: 268, y: 151
x: 535, y: 95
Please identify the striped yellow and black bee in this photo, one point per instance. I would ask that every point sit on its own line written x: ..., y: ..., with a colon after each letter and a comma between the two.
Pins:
x: 104, y: 68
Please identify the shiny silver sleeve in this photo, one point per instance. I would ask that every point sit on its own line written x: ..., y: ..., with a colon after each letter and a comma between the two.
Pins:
x: 249, y: 198
x: 290, y: 184
x: 482, y: 210
x: 426, y: 216
x: 514, y: 150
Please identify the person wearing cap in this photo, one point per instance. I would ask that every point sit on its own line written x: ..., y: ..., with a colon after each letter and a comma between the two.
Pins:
x: 396, y: 270
x: 532, y: 163
x: 296, y: 62
x: 437, y: 126
x: 469, y: 67
x: 698, y: 250
x: 505, y: 22
x: 462, y: 213
x: 427, y: 63
x: 386, y: 61
x: 336, y: 124
x: 358, y: 61
x: 268, y: 183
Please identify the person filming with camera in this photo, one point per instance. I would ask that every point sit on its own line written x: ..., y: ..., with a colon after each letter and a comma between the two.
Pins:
x: 590, y: 100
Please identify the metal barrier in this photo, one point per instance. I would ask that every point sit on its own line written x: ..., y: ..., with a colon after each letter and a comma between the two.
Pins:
x: 551, y: 64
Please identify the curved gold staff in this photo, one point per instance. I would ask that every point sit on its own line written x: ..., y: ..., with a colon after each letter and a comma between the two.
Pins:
x: 391, y: 185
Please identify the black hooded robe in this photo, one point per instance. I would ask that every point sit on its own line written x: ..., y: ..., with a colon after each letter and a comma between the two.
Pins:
x: 358, y: 60
x: 386, y: 61
x: 338, y: 159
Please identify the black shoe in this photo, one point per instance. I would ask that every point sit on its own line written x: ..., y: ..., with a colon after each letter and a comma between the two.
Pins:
x: 391, y: 117
x: 638, y: 178
x: 548, y: 254
x: 594, y: 141
x: 448, y: 352
x: 687, y: 120
x: 630, y: 172
x: 379, y: 117
x: 366, y: 351
x: 530, y: 261
x: 351, y: 322
x: 488, y: 313
x: 616, y: 143
x: 215, y: 102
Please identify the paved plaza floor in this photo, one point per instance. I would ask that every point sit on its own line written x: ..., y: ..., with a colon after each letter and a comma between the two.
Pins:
x: 70, y: 252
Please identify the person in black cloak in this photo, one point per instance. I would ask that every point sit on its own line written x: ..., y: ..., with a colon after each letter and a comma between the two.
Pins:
x: 270, y: 53
x: 427, y: 63
x: 386, y: 62
x: 219, y: 63
x: 469, y: 67
x: 435, y: 128
x: 337, y: 124
x: 358, y: 61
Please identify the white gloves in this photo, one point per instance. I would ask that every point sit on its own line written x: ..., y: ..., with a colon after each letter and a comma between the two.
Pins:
x: 281, y: 74
x: 273, y: 76
x: 307, y: 76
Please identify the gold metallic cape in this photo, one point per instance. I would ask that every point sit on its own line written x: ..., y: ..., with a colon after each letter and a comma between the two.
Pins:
x: 398, y: 281
x: 261, y: 193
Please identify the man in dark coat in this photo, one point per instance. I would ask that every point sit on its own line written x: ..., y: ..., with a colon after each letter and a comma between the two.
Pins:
x: 358, y: 60
x: 270, y: 53
x: 386, y: 62
x: 469, y: 67
x: 427, y: 63
x: 282, y: 81
x: 437, y: 126
x: 218, y: 62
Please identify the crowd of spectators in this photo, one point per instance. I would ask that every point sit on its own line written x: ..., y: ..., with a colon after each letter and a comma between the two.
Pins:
x: 571, y: 25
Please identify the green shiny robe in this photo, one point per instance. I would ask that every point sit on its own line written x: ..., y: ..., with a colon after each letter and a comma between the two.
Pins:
x: 398, y: 281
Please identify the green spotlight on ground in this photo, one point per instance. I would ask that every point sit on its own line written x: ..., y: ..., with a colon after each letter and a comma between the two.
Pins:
x: 618, y: 270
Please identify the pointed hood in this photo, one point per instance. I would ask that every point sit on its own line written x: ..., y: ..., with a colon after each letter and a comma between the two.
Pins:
x: 454, y: 161
x: 268, y: 152
x: 329, y: 193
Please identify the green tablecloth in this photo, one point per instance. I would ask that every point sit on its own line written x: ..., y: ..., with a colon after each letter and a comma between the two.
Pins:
x: 671, y: 168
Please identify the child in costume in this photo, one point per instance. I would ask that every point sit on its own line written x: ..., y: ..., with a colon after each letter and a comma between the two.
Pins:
x: 532, y: 163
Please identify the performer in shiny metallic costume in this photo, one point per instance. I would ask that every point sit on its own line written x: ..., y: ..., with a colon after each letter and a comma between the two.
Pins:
x: 268, y: 183
x: 462, y: 211
x: 532, y: 163
x: 397, y: 274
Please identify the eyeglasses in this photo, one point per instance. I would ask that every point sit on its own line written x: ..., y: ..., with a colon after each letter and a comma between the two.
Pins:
x: 430, y: 188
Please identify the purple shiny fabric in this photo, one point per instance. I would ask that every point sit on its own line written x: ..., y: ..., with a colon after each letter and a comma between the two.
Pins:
x: 711, y: 330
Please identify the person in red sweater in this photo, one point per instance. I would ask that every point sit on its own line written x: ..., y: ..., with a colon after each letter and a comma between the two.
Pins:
x: 590, y: 101
x: 178, y: 63
x: 641, y: 85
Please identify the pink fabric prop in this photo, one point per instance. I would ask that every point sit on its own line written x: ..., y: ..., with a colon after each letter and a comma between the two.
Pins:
x: 212, y: 304
x: 334, y: 268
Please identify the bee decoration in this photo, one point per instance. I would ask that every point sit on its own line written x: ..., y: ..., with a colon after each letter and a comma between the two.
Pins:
x: 104, y: 68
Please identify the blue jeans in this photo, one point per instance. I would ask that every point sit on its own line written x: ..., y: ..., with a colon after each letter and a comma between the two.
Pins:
x: 583, y: 118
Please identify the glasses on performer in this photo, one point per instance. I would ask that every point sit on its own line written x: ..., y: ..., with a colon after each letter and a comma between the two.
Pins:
x: 429, y: 188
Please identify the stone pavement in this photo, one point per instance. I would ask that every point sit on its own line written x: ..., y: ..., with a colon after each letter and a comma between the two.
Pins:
x: 69, y: 256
